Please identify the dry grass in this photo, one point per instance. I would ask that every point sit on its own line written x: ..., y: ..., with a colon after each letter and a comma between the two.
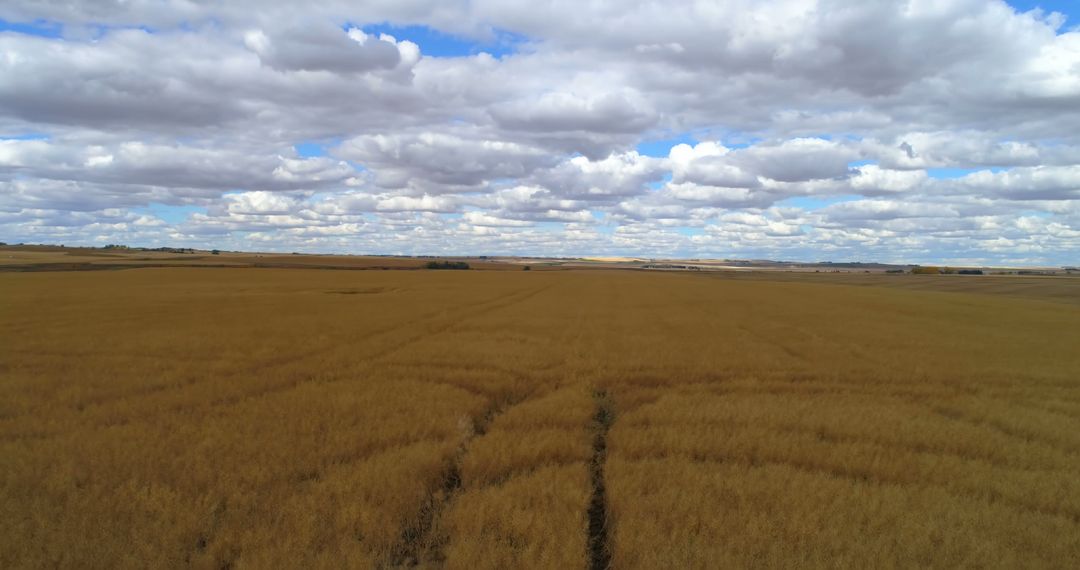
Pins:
x: 263, y: 418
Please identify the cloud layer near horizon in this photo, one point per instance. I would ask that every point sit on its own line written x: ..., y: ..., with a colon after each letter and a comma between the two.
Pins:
x: 797, y: 129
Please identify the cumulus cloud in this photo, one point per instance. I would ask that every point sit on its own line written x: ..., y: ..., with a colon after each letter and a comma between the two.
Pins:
x: 794, y: 104
x: 1033, y: 183
x: 325, y: 48
x: 618, y: 112
x: 708, y: 164
x: 863, y: 210
x: 605, y: 180
x: 447, y: 160
x: 797, y: 159
x: 945, y: 149
x: 136, y: 163
x: 872, y: 180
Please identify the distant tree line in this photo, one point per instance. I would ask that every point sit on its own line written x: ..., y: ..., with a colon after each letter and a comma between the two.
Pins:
x: 446, y: 265
x: 670, y: 266
x: 120, y: 246
x: 168, y: 249
x: 930, y: 270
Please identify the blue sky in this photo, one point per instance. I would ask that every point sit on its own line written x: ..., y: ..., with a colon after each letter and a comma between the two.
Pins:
x: 170, y: 213
x: 1066, y: 7
x: 434, y: 43
x: 310, y: 149
x: 34, y: 28
x: 25, y: 137
x: 662, y: 147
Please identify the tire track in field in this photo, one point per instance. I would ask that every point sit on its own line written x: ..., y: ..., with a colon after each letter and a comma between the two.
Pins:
x: 865, y: 476
x: 291, y: 358
x: 455, y: 317
x: 769, y: 341
x: 599, y: 542
x: 1020, y: 435
x: 1042, y: 408
x: 455, y: 323
x: 422, y: 543
x: 271, y: 363
x: 208, y: 534
x: 806, y: 346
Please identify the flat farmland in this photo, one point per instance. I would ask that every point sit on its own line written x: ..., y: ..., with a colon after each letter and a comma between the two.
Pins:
x: 297, y: 418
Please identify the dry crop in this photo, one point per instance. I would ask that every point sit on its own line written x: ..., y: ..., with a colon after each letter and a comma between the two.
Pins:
x: 255, y: 418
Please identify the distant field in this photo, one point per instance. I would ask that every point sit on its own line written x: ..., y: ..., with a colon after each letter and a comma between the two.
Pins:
x: 1061, y: 289
x: 52, y: 258
x: 291, y: 418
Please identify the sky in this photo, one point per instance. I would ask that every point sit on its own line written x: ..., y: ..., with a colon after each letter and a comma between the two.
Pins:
x: 907, y: 131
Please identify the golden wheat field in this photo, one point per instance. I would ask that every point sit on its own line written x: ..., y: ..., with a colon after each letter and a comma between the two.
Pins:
x: 291, y: 418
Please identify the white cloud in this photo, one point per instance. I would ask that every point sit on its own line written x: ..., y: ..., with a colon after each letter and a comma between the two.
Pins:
x: 324, y: 47
x: 434, y: 160
x: 872, y: 180
x: 1031, y: 183
x: 791, y: 99
x: 481, y: 219
x: 604, y: 180
x: 796, y: 160
x: 618, y: 112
